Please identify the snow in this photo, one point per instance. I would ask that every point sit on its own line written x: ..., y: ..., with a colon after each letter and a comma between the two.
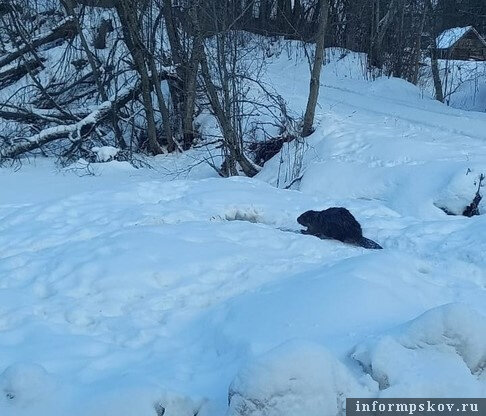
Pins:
x: 105, y: 153
x: 463, y: 83
x: 296, y: 378
x: 130, y: 291
x: 450, y: 36
x: 450, y: 339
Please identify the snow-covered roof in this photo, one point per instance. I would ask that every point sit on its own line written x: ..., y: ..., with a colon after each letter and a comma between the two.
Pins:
x: 450, y: 36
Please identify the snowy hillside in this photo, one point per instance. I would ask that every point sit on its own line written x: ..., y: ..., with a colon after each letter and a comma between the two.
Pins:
x: 464, y: 83
x: 130, y: 293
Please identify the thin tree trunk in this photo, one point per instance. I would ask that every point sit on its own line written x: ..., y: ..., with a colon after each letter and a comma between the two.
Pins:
x: 310, y: 111
x: 128, y: 17
x: 164, y: 111
x: 69, y: 6
x: 439, y: 92
x: 228, y: 131
x: 418, y: 47
x: 231, y: 142
x: 381, y: 29
x: 176, y: 88
x: 190, y: 85
x: 190, y: 98
x: 434, y: 64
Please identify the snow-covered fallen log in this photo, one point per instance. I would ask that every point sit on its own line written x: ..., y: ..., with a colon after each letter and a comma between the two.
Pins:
x: 23, y: 115
x: 74, y: 130
x: 14, y: 72
x: 65, y: 29
x: 84, y: 124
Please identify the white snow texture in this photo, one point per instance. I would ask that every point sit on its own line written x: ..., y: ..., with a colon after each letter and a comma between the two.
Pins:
x: 129, y: 293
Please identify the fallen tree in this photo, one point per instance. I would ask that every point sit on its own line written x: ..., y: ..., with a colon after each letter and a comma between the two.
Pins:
x: 65, y: 29
x: 22, y: 115
x: 84, y: 125
x: 16, y: 72
x: 76, y: 130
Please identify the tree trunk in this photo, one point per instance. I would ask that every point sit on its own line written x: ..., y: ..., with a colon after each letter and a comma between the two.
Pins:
x: 176, y: 88
x: 105, y: 27
x: 434, y: 64
x: 381, y: 29
x: 439, y: 92
x: 190, y: 84
x: 221, y: 112
x: 164, y: 111
x: 236, y: 153
x: 310, y: 111
x: 128, y: 17
x: 418, y: 47
x: 69, y: 6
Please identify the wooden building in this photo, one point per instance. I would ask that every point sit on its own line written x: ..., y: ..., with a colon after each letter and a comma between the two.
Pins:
x: 461, y: 43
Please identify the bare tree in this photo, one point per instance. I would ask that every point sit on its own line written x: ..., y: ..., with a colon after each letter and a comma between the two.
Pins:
x: 439, y: 92
x: 129, y: 15
x: 70, y: 8
x: 225, y: 105
x: 381, y: 27
x: 316, y: 70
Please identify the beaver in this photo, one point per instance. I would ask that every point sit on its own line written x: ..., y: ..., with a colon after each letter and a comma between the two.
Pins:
x: 336, y: 223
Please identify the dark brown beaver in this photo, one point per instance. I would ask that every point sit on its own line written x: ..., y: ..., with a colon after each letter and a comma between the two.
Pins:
x: 336, y: 223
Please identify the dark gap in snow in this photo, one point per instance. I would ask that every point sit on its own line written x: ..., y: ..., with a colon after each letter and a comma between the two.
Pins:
x: 470, y: 210
x: 264, y: 151
x: 473, y: 208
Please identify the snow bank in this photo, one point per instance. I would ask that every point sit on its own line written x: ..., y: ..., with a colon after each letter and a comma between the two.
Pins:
x: 396, y: 88
x: 24, y: 387
x: 23, y: 383
x: 408, y: 189
x: 384, y: 141
x: 297, y: 378
x: 461, y: 190
x: 417, y: 359
x: 105, y: 153
x: 135, y: 399
x: 463, y: 83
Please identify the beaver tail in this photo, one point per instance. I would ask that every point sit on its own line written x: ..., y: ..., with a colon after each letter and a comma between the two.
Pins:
x: 367, y: 243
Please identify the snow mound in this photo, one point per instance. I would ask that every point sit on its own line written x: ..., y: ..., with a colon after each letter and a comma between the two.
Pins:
x: 417, y: 358
x: 105, y: 153
x: 297, y: 378
x: 393, y: 88
x: 249, y: 214
x: 450, y: 187
x: 171, y: 404
x: 22, y: 384
x: 342, y: 63
x: 460, y: 192
x: 131, y: 398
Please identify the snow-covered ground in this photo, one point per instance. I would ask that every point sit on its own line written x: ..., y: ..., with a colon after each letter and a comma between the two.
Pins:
x: 463, y: 83
x: 129, y: 292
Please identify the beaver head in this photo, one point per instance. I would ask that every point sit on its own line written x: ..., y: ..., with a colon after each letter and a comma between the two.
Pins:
x: 307, y: 218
